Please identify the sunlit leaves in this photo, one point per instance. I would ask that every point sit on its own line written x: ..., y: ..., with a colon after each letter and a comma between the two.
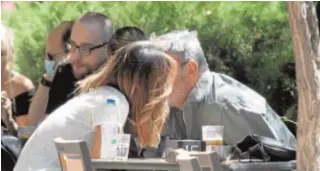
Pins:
x: 253, y: 37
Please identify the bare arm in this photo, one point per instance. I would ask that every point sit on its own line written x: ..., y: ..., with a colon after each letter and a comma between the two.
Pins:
x: 38, y: 106
x: 96, y: 145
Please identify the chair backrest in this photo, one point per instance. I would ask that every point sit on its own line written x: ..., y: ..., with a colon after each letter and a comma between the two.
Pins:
x: 73, y: 155
x: 183, y: 164
x: 189, y: 164
x: 208, y: 160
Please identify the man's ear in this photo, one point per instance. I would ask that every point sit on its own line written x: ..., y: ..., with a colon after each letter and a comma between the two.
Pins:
x: 191, y: 68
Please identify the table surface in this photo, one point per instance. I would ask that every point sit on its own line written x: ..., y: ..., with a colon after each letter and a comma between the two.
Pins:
x: 136, y: 164
x: 137, y: 160
x: 162, y: 164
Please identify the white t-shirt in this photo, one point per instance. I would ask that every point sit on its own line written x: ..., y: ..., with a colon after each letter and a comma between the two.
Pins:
x: 74, y: 120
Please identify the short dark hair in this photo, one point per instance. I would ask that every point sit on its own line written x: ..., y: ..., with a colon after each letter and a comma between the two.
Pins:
x: 99, y: 18
x: 63, y: 30
x: 66, y: 33
x: 124, y: 36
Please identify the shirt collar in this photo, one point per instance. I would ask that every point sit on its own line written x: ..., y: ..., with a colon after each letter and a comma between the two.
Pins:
x: 202, y: 88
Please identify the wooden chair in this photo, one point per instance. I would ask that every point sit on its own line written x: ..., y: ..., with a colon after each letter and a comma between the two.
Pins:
x: 182, y: 164
x: 209, y: 161
x: 73, y: 155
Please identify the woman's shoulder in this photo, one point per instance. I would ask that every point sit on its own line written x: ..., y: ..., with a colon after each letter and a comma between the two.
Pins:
x: 100, y: 96
x: 99, y: 100
x: 95, y: 102
x: 21, y: 83
x: 105, y: 90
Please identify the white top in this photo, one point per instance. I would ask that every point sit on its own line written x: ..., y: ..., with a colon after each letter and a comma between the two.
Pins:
x: 74, y: 120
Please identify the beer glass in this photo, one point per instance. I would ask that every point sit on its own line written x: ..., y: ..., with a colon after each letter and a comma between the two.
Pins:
x: 213, y: 136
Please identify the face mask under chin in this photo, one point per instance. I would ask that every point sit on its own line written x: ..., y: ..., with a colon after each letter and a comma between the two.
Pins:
x: 50, y: 66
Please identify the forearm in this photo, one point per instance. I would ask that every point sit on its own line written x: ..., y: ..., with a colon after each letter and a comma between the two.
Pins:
x: 38, y: 106
x: 96, y: 145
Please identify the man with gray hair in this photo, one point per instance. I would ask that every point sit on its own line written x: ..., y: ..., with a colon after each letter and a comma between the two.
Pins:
x: 201, y: 97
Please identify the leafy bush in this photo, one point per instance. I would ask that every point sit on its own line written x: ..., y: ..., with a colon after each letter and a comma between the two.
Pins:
x: 247, y: 40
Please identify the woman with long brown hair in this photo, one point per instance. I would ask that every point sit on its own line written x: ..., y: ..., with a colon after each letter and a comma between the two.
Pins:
x: 143, y: 76
x: 16, y: 89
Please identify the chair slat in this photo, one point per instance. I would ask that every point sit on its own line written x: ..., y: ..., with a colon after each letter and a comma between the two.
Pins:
x: 73, y: 148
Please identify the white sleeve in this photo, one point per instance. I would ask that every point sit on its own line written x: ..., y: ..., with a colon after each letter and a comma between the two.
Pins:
x: 116, y: 113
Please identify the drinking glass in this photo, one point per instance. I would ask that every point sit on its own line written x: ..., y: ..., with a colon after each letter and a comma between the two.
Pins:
x: 25, y: 132
x: 114, y: 145
x: 122, y: 146
x: 213, y: 136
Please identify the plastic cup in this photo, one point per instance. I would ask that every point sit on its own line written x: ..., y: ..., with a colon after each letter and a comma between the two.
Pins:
x: 114, y: 145
x: 122, y: 147
x: 24, y: 132
x: 213, y: 136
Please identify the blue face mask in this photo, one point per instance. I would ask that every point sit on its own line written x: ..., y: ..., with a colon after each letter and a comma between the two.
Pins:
x: 50, y: 66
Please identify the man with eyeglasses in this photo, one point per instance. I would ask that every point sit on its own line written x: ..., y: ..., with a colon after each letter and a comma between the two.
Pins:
x: 87, y: 51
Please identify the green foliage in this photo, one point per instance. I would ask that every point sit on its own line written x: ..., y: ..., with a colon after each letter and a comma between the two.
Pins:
x: 247, y: 40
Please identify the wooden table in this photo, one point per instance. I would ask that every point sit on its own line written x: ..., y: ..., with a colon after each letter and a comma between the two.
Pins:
x: 134, y: 164
x: 258, y: 166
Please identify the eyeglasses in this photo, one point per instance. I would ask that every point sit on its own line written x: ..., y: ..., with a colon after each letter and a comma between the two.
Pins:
x: 84, y: 50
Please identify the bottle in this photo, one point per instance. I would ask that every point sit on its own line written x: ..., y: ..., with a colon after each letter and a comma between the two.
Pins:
x: 110, y: 129
x: 112, y: 109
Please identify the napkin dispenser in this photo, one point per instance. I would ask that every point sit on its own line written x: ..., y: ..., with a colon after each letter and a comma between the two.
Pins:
x: 188, y: 145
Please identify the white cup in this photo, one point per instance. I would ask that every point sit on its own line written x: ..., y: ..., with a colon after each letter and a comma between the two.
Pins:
x: 114, y: 144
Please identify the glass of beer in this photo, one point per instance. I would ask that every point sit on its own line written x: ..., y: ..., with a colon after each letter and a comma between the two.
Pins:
x: 24, y: 132
x: 213, y: 136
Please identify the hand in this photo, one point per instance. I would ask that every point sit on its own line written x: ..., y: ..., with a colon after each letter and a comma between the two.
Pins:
x: 6, y: 108
x: 6, y: 114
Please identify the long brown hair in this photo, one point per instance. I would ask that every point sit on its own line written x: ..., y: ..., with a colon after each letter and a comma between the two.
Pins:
x: 145, y: 74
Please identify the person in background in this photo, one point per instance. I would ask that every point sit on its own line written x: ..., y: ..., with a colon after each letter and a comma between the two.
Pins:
x: 90, y: 35
x: 137, y: 79
x: 57, y: 49
x: 8, y: 6
x: 16, y: 89
x: 202, y: 97
x: 124, y: 36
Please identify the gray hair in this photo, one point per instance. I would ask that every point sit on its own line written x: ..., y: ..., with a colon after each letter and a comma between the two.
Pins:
x: 185, y: 45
